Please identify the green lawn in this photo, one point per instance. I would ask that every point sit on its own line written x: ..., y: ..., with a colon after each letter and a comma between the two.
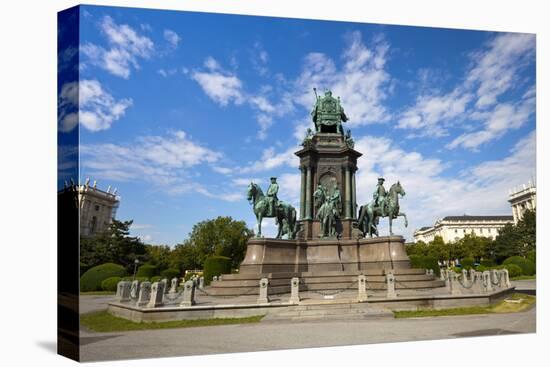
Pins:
x: 524, y: 277
x: 501, y: 307
x: 103, y: 321
x: 98, y: 293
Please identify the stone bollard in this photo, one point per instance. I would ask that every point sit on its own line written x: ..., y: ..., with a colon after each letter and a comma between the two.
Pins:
x: 477, y: 282
x: 472, y: 274
x: 134, y: 289
x: 465, y: 276
x: 263, y: 297
x: 430, y: 272
x: 495, y: 278
x: 454, y: 284
x: 165, y: 285
x: 504, y: 274
x: 220, y: 278
x: 390, y: 284
x: 201, y: 283
x: 443, y: 274
x: 188, y: 294
x: 362, y: 288
x: 173, y: 286
x: 157, y: 292
x: 144, y: 294
x: 487, y: 286
x: 123, y: 291
x: 295, y: 291
x: 215, y: 278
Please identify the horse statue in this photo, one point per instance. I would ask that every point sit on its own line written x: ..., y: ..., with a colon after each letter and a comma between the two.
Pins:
x: 285, y: 214
x: 369, y: 214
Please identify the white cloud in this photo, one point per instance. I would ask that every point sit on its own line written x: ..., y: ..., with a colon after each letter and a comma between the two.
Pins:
x: 90, y: 104
x: 167, y: 72
x: 430, y: 193
x: 126, y: 46
x: 172, y: 38
x: 270, y: 160
x: 494, y: 71
x: 162, y: 161
x: 362, y: 81
x: 221, y: 87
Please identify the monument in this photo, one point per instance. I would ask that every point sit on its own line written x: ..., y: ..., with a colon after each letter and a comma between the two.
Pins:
x: 328, y: 238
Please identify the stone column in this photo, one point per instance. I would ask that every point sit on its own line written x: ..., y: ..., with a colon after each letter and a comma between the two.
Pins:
x: 487, y: 281
x: 201, y: 283
x: 144, y: 294
x: 390, y: 284
x: 134, y: 289
x: 262, y: 297
x: 173, y: 286
x: 157, y: 292
x: 309, y: 207
x: 347, y: 196
x: 294, y: 291
x: 353, y: 197
x: 188, y: 294
x: 362, y: 288
x: 164, y: 285
x: 303, y: 193
x: 506, y: 275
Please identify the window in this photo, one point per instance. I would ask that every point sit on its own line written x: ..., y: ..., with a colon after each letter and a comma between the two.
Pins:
x: 93, y: 225
x: 456, y: 230
x: 97, y: 208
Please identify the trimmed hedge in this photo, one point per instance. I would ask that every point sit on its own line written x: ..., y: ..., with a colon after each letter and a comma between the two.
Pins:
x: 156, y: 278
x: 170, y: 273
x: 91, y: 280
x: 425, y: 262
x: 110, y: 284
x: 487, y: 263
x: 214, y: 266
x: 527, y: 266
x: 146, y: 270
x: 467, y: 263
x: 513, y: 270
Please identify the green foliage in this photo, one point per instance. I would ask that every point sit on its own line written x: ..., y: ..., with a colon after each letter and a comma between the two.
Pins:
x: 532, y: 255
x: 110, y: 284
x: 216, y: 265
x: 425, y: 262
x: 189, y: 274
x: 158, y: 255
x: 516, y: 240
x: 482, y: 268
x: 527, y: 266
x: 487, y: 263
x: 91, y: 280
x: 513, y: 270
x: 467, y: 263
x: 170, y: 273
x: 222, y: 236
x: 147, y: 271
x: 156, y: 278
x: 112, y: 246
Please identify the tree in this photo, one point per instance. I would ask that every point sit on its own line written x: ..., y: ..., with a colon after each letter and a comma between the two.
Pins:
x: 516, y: 240
x: 113, y: 245
x: 221, y: 236
x: 158, y: 255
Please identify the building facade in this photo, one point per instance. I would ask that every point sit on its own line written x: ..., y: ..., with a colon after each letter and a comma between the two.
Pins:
x: 522, y: 199
x: 454, y: 228
x: 97, y: 208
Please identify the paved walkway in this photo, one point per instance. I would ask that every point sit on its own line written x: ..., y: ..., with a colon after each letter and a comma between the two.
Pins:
x: 287, y: 335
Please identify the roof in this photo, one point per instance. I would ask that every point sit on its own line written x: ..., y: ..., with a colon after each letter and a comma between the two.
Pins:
x: 464, y: 218
x: 424, y: 228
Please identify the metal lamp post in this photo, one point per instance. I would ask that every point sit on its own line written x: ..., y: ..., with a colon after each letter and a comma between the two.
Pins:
x: 136, y: 262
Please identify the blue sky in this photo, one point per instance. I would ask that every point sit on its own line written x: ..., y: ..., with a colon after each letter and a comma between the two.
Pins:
x: 180, y: 111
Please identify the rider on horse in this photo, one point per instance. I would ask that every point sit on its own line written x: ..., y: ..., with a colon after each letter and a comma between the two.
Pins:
x: 272, y: 196
x: 380, y: 195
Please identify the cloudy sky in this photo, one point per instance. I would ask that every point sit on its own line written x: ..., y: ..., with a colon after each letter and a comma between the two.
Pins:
x: 180, y: 111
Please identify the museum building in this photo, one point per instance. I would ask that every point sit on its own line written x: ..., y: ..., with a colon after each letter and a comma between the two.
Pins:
x: 97, y: 208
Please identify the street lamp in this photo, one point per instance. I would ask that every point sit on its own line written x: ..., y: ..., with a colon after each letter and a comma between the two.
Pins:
x: 136, y: 262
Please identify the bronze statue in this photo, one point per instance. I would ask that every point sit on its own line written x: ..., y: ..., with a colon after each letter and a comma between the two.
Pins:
x: 328, y: 210
x: 328, y: 114
x: 370, y: 214
x: 272, y: 191
x: 284, y: 214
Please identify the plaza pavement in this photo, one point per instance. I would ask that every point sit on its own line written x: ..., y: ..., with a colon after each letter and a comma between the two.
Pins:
x: 276, y: 335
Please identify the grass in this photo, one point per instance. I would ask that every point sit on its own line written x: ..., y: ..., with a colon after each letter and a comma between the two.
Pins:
x: 501, y: 307
x: 103, y: 321
x: 98, y: 293
x: 524, y: 277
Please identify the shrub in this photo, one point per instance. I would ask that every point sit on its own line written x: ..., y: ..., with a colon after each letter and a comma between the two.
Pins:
x: 156, y: 278
x: 189, y: 274
x: 425, y: 262
x: 110, y: 284
x: 487, y: 263
x: 481, y: 268
x: 532, y: 255
x: 527, y: 266
x: 148, y: 271
x: 91, y: 279
x: 170, y: 273
x: 513, y: 270
x: 216, y: 265
x: 467, y: 263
